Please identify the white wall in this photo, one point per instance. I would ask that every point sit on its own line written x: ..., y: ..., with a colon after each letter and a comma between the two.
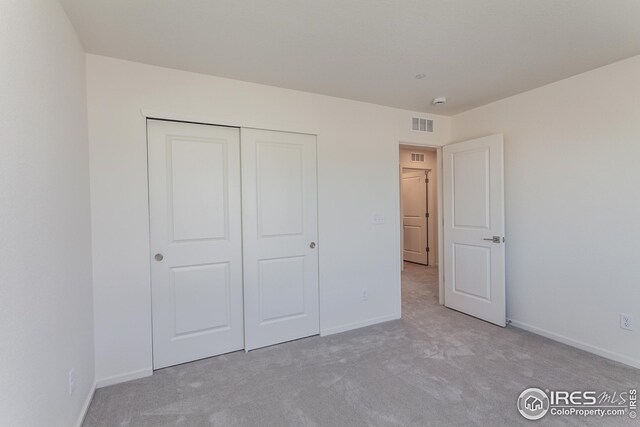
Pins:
x: 357, y: 171
x: 430, y: 162
x: 46, y: 321
x: 572, y: 180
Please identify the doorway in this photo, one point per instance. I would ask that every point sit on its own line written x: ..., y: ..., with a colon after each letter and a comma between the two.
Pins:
x: 415, y: 215
x: 470, y: 239
x: 419, y: 221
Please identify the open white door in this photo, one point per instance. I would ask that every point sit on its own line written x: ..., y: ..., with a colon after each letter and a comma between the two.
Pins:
x: 414, y: 216
x: 196, y: 243
x: 473, y: 208
x: 280, y: 231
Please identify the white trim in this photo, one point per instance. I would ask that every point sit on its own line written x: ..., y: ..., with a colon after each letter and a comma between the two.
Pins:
x: 440, y: 207
x: 226, y: 121
x: 85, y: 406
x: 577, y: 344
x: 121, y: 378
x: 357, y: 325
x: 399, y: 243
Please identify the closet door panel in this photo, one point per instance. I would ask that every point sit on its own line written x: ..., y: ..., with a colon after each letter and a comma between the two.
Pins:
x: 279, y: 196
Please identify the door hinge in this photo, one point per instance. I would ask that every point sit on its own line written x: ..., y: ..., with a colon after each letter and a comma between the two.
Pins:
x: 428, y: 249
x: 426, y: 215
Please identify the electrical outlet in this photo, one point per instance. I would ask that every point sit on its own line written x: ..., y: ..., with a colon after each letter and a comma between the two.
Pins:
x: 72, y: 381
x: 365, y: 294
x: 626, y: 321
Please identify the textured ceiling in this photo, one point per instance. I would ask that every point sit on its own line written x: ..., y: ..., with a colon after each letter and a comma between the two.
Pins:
x: 471, y: 51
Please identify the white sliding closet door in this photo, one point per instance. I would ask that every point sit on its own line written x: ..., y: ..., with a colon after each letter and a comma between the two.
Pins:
x: 195, y: 226
x: 279, y: 203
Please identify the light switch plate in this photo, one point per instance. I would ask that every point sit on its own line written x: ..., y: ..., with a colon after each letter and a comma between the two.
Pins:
x: 378, y: 218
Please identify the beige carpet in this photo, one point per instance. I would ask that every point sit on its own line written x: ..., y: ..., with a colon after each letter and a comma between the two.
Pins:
x: 434, y: 367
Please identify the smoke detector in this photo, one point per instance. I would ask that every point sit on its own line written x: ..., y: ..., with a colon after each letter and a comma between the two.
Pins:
x: 441, y: 100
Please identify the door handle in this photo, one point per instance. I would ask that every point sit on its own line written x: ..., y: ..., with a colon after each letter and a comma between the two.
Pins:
x: 158, y: 257
x: 312, y: 245
x: 494, y: 239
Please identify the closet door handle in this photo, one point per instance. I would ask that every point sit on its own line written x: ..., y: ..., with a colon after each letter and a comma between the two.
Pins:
x: 312, y: 245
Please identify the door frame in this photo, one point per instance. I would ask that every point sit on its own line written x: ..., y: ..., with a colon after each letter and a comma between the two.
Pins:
x: 405, y: 169
x: 439, y: 225
x: 148, y: 114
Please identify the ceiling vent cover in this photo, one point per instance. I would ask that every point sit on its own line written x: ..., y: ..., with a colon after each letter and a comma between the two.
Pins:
x: 421, y: 125
x: 417, y: 157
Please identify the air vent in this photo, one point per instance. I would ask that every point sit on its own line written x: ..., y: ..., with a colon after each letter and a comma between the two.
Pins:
x: 421, y: 125
x: 417, y: 157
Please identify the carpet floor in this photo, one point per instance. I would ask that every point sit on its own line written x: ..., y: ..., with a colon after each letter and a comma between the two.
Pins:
x: 435, y: 366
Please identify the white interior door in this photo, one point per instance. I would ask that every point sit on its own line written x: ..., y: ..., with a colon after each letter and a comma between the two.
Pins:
x: 196, y: 243
x: 280, y: 230
x: 414, y: 216
x: 473, y: 197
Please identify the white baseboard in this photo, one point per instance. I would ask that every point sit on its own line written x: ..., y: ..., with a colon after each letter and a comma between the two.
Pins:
x: 121, y: 378
x: 85, y: 406
x: 577, y: 344
x: 357, y: 325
